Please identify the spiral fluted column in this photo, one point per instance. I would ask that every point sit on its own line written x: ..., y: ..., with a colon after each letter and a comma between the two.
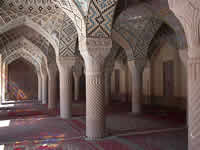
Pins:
x: 52, y: 83
x: 108, y: 87
x: 136, y: 69
x: 184, y: 58
x: 76, y: 87
x: 188, y: 13
x: 44, y: 85
x: 65, y: 71
x: 77, y: 75
x: 39, y: 86
x: 4, y: 78
x: 94, y: 54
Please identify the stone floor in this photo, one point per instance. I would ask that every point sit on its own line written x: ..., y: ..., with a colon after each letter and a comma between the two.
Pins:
x: 44, y: 131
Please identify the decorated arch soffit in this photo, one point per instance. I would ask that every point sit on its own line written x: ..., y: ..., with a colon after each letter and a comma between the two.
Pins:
x: 30, y: 35
x: 68, y: 38
x: 136, y: 27
x: 21, y: 53
x: 135, y: 33
x: 161, y: 9
x: 110, y: 59
x: 35, y: 13
x: 25, y: 46
x: 164, y: 35
x: 100, y: 18
x: 92, y: 18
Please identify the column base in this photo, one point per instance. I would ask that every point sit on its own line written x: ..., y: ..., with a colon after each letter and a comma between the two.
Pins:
x: 44, y: 102
x: 65, y: 117
x: 136, y: 108
x: 106, y: 135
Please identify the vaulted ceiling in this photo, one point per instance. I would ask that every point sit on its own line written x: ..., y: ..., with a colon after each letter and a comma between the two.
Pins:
x: 55, y: 26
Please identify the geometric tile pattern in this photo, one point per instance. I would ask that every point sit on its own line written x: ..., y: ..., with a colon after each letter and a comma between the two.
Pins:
x: 72, y: 10
x: 33, y: 37
x: 42, y: 12
x: 110, y: 59
x: 83, y: 6
x: 68, y: 38
x: 100, y: 18
x: 21, y: 53
x: 165, y: 34
x: 138, y: 33
x: 25, y: 47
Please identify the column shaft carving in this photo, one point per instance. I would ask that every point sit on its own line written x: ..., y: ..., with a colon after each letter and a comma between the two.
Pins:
x: 39, y: 86
x: 108, y: 87
x: 96, y: 50
x: 52, y: 83
x: 76, y: 87
x: 77, y: 75
x: 65, y: 69
x: 188, y: 13
x: 44, y: 86
x: 136, y: 69
x: 193, y: 102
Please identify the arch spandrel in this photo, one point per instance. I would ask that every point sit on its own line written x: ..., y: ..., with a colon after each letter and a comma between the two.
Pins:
x: 68, y: 38
x: 32, y: 36
x: 23, y: 43
x: 22, y: 54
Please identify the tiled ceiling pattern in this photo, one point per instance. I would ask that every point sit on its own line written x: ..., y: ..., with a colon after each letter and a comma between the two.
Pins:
x: 26, y: 46
x: 22, y: 54
x: 83, y: 6
x: 43, y: 12
x: 68, y: 38
x: 30, y: 35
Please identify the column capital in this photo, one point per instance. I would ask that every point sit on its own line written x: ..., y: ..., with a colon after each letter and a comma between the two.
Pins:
x: 188, y: 13
x: 78, y: 68
x: 183, y: 54
x: 137, y: 65
x: 43, y: 70
x: 95, y: 53
x: 52, y: 69
x: 65, y: 62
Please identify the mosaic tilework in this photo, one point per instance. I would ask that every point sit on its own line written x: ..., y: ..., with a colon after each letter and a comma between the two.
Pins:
x: 100, y: 18
x: 83, y: 6
x: 73, y: 12
x: 44, y: 13
x: 164, y: 34
x: 26, y: 56
x: 138, y: 33
x: 30, y: 35
x: 68, y: 38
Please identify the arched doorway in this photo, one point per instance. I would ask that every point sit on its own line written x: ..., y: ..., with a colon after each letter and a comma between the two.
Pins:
x: 22, y: 81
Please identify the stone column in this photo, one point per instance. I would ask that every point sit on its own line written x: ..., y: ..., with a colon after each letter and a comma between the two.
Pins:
x: 1, y: 63
x: 4, y: 78
x: 188, y: 13
x: 76, y: 87
x: 136, y: 69
x: 39, y: 86
x: 108, y: 75
x: 52, y: 83
x: 147, y: 83
x: 6, y: 81
x: 184, y: 58
x: 94, y: 52
x: 123, y: 88
x: 77, y: 75
x: 65, y: 71
x: 44, y: 85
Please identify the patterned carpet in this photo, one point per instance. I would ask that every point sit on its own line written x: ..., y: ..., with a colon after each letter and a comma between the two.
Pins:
x: 148, y: 131
x: 160, y: 141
